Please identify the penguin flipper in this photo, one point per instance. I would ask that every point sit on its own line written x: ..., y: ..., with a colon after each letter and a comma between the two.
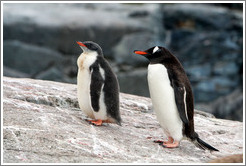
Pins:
x: 97, y: 83
x: 180, y: 99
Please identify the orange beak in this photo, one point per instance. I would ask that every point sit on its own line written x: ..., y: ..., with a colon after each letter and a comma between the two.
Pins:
x: 140, y: 52
x: 81, y: 44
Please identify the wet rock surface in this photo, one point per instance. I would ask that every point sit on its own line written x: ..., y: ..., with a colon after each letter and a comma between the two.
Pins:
x: 43, y: 124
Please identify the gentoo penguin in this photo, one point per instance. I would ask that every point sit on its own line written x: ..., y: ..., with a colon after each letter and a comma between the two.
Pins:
x: 172, y: 97
x: 97, y: 86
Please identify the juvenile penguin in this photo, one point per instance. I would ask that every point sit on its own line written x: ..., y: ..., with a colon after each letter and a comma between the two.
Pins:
x: 172, y: 98
x: 97, y: 86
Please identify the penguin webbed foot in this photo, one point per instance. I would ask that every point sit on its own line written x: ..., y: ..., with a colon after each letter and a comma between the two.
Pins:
x: 168, y: 144
x: 97, y: 122
x: 175, y: 144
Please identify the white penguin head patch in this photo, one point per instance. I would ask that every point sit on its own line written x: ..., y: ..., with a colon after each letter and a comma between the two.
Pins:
x: 155, y: 49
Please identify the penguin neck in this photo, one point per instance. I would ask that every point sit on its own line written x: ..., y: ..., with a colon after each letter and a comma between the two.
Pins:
x: 168, y: 62
x: 157, y: 60
x: 86, y: 59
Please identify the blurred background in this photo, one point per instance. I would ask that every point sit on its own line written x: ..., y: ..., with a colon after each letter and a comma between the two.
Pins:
x: 39, y: 41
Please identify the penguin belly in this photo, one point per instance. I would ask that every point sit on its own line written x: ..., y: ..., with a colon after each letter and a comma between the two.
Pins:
x: 163, y: 99
x: 83, y: 83
x: 83, y: 90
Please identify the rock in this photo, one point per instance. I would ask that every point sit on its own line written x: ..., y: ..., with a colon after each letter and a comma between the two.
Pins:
x: 236, y: 158
x: 139, y: 14
x: 229, y: 106
x: 236, y: 6
x: 44, y: 24
x: 228, y: 68
x: 14, y: 73
x: 204, y: 90
x: 124, y: 51
x: 43, y: 124
x: 185, y: 34
x: 36, y: 59
x: 199, y: 72
x: 200, y: 16
x: 51, y: 74
x: 134, y: 82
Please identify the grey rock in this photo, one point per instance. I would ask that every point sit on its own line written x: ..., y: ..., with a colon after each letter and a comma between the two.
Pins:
x: 226, y: 68
x: 229, y: 106
x: 124, y: 51
x: 223, y: 84
x: 199, y: 72
x: 69, y: 66
x: 53, y: 73
x: 235, y: 6
x: 14, y: 73
x: 43, y: 124
x: 205, y: 47
x: 134, y: 82
x: 139, y: 14
x: 27, y: 58
x: 44, y: 24
x: 206, y: 86
x: 177, y: 34
x: 205, y: 90
x: 191, y: 16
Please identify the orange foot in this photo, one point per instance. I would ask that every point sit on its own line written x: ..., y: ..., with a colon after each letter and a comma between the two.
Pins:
x: 174, y: 144
x: 168, y: 144
x: 96, y: 122
x: 170, y: 140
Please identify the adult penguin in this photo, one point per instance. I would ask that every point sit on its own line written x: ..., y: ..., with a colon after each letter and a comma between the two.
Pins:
x: 172, y: 98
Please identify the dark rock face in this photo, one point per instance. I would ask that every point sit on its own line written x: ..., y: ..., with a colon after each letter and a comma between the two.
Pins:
x: 208, y: 42
x: 42, y: 123
x: 35, y: 58
x: 40, y: 42
x: 135, y: 81
x: 230, y: 106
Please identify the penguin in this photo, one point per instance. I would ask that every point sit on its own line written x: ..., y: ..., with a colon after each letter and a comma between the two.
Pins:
x: 97, y: 86
x: 172, y: 97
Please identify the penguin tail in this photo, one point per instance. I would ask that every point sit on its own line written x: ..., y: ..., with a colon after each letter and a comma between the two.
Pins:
x: 203, y: 145
x: 116, y: 120
x: 118, y: 123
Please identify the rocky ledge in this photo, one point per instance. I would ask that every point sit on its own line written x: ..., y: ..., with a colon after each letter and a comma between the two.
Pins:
x: 43, y: 124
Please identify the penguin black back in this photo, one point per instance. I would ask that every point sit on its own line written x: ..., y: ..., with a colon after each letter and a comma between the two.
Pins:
x: 111, y: 90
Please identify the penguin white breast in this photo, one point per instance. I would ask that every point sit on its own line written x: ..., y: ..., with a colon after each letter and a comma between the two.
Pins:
x: 83, y: 82
x: 163, y: 99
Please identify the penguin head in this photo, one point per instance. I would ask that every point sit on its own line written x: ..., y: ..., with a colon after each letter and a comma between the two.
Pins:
x: 89, y: 46
x: 154, y: 54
